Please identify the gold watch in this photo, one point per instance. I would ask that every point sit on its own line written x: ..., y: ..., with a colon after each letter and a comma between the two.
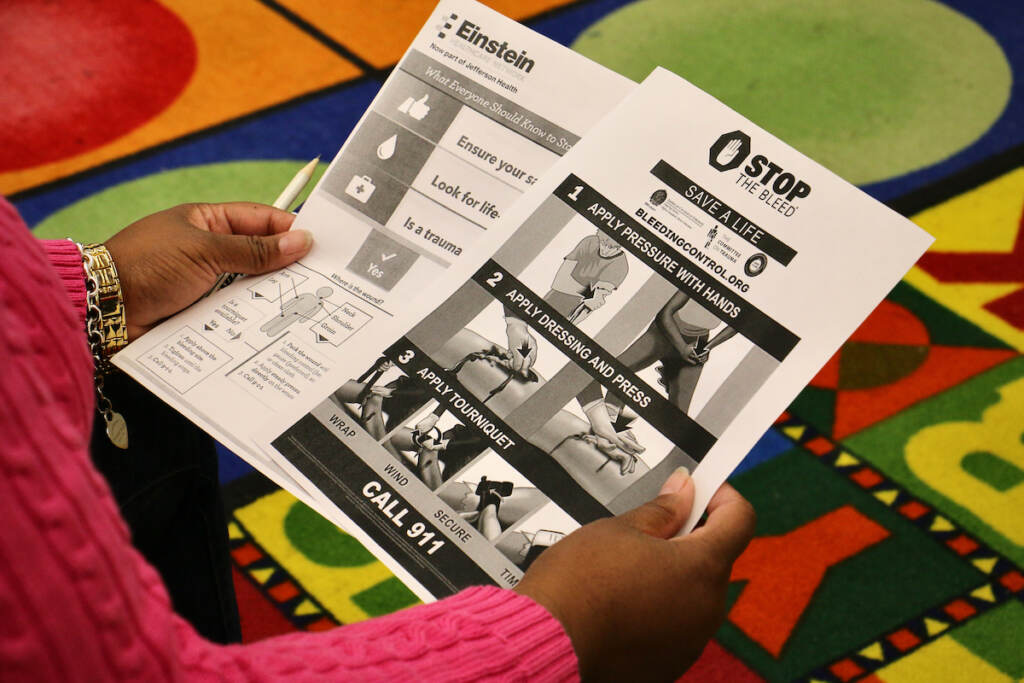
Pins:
x: 99, y: 267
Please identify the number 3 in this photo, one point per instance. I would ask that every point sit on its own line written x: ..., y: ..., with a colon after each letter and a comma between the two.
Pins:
x: 406, y: 357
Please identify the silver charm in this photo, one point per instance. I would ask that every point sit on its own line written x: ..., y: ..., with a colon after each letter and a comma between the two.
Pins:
x: 117, y: 429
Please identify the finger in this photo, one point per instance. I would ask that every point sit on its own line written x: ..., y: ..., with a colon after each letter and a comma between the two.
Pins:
x: 730, y: 523
x: 625, y: 445
x: 664, y: 516
x: 243, y: 218
x: 515, y: 358
x: 253, y: 254
x: 515, y: 362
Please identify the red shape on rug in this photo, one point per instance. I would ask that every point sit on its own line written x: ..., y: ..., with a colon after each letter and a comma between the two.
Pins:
x: 891, y: 323
x: 260, y: 617
x: 904, y: 639
x: 83, y: 74
x: 945, y: 367
x: 783, y: 572
x: 986, y: 267
x: 1013, y: 580
x: 960, y: 609
x: 889, y: 326
x: 888, y: 365
x: 913, y: 510
x: 846, y: 670
x: 718, y: 665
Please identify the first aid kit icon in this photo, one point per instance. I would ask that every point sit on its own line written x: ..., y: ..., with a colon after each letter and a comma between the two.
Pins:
x: 361, y: 187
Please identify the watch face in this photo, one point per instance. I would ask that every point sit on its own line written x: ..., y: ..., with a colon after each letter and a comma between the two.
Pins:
x: 755, y: 265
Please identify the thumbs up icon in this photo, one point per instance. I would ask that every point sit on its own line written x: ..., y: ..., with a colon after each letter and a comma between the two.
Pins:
x: 417, y: 109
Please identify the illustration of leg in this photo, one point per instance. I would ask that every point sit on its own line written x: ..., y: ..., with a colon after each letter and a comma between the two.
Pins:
x: 648, y: 348
x: 565, y: 304
x: 487, y: 523
x: 428, y: 467
x: 682, y: 385
x: 373, y: 416
x: 278, y: 324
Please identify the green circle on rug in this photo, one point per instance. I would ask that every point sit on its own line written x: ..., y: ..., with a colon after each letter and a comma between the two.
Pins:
x: 98, y: 216
x: 321, y: 541
x: 871, y: 89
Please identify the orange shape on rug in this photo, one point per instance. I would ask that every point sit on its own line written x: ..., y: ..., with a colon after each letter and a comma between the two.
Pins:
x: 380, y: 32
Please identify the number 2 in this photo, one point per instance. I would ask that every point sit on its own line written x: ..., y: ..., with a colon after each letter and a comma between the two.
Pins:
x: 494, y: 279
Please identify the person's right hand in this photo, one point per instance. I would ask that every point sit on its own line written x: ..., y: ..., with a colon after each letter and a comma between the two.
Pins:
x: 637, y: 603
x: 522, y: 347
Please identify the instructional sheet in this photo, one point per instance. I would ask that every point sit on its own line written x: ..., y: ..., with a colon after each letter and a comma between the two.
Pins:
x: 473, y: 115
x: 664, y: 292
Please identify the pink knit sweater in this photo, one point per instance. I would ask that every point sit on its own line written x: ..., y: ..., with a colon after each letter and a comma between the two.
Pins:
x: 77, y: 603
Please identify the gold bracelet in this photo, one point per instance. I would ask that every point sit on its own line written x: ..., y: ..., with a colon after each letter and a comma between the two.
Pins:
x: 101, y: 278
x: 105, y: 329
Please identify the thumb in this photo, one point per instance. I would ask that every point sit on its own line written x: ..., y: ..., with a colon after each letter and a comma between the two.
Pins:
x: 664, y: 516
x: 254, y: 254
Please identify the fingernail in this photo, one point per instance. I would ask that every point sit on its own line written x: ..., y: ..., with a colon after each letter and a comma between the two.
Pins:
x: 295, y: 242
x: 675, y: 482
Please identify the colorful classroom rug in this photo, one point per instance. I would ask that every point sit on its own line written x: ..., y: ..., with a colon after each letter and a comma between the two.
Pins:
x: 890, y: 494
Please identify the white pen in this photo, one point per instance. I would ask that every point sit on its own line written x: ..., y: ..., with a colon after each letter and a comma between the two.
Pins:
x: 283, y: 201
x: 298, y: 183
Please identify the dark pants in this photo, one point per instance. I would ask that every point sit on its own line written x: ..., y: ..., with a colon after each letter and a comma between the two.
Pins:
x: 167, y: 489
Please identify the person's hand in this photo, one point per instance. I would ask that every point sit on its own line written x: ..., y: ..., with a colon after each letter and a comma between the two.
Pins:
x: 522, y: 347
x: 601, y: 292
x: 168, y: 260
x: 427, y: 423
x: 636, y: 603
x: 601, y: 425
x: 694, y: 358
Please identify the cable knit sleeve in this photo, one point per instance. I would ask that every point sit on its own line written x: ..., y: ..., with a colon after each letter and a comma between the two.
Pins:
x: 66, y: 260
x: 482, y: 633
x: 79, y: 604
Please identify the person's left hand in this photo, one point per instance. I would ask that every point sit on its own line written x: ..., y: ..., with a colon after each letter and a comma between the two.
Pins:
x: 637, y: 602
x: 168, y: 260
